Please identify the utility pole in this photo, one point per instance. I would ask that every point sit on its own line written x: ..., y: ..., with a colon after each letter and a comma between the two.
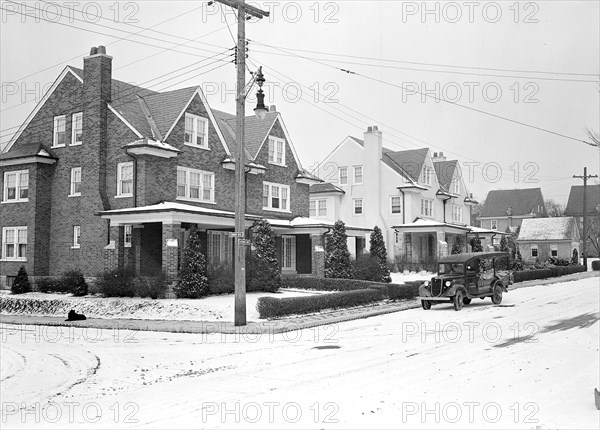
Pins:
x: 585, y: 177
x: 240, y: 159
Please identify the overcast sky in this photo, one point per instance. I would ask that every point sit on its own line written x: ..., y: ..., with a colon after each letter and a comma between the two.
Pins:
x: 536, y: 63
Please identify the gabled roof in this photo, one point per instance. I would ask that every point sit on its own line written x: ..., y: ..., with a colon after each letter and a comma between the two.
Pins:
x: 444, y: 171
x: 27, y: 150
x: 575, y: 203
x: 409, y: 162
x: 325, y: 187
x: 521, y: 201
x: 558, y: 228
x: 256, y: 131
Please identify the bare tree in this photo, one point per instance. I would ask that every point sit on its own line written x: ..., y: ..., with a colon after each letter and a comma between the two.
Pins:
x: 554, y: 208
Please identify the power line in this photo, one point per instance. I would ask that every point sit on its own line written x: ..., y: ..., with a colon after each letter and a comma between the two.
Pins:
x: 442, y: 99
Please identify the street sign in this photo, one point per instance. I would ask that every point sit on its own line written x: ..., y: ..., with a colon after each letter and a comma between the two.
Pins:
x: 236, y: 234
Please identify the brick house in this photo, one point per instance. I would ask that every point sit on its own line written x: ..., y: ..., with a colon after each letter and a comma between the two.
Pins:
x: 506, y: 209
x: 418, y: 199
x: 542, y: 238
x: 105, y: 174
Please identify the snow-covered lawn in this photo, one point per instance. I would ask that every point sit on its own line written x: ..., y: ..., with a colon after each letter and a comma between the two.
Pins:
x: 212, y: 308
x: 532, y: 362
x: 401, y: 277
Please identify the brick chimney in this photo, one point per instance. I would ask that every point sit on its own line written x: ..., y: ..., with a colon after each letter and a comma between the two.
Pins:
x: 97, y: 82
x: 438, y: 157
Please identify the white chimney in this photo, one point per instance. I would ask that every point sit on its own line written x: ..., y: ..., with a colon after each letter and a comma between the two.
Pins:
x: 438, y: 156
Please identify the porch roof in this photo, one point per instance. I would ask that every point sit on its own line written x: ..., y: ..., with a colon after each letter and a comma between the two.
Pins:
x: 484, y: 231
x: 174, y: 212
x: 421, y: 225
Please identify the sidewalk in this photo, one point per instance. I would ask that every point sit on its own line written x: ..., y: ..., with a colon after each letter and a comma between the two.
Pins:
x: 255, y: 327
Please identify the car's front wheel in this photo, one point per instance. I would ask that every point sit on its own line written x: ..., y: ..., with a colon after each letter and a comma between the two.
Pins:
x: 458, y: 300
x: 497, y: 294
x: 426, y: 304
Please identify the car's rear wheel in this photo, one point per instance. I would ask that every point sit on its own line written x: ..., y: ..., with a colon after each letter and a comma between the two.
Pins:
x: 458, y: 300
x: 466, y: 301
x: 497, y: 294
x: 426, y: 304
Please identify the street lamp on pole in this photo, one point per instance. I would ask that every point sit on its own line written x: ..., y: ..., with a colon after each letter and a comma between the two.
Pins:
x: 243, y: 11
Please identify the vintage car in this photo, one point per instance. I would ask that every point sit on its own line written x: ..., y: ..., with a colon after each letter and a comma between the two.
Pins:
x: 463, y: 277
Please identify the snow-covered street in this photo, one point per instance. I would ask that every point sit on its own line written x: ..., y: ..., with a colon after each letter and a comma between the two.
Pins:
x: 532, y: 362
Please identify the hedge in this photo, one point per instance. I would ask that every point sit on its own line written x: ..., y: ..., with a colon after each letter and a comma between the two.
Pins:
x: 330, y: 284
x: 596, y: 265
x: 270, y: 307
x: 528, y: 275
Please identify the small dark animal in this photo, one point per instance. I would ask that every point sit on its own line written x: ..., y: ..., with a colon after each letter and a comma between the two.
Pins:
x: 74, y: 316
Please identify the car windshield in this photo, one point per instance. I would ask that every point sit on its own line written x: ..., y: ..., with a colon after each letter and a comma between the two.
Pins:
x: 451, y: 269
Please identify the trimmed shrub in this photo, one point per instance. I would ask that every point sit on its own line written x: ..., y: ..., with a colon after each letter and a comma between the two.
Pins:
x: 192, y: 282
x: 151, y: 286
x: 528, y: 275
x: 73, y: 282
x: 328, y: 284
x: 575, y: 257
x: 117, y: 283
x: 596, y: 265
x: 368, y: 268
x: 476, y: 245
x: 379, y: 254
x: 456, y: 247
x: 49, y: 285
x: 337, y: 258
x: 263, y: 272
x: 221, y: 279
x: 270, y: 307
x: 21, y: 283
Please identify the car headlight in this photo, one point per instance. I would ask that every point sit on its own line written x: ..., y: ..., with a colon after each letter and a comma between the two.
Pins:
x: 448, y: 283
x: 426, y: 283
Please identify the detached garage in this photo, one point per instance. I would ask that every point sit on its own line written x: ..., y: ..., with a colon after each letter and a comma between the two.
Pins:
x: 542, y: 238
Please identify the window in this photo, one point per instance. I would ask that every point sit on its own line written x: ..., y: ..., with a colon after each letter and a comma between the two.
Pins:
x: 358, y: 206
x: 125, y: 179
x: 60, y: 134
x: 14, y: 243
x: 127, y: 236
x: 76, y: 236
x: 16, y: 186
x: 456, y: 185
x: 77, y: 128
x: 276, y: 197
x: 220, y: 249
x: 343, y: 175
x: 318, y: 207
x: 427, y: 207
x: 358, y: 174
x: 426, y: 175
x: 75, y: 182
x: 276, y: 151
x: 396, y: 203
x: 195, y: 185
x: 196, y: 131
x: 494, y: 224
x: 534, y: 250
x: 457, y: 213
x: 554, y: 250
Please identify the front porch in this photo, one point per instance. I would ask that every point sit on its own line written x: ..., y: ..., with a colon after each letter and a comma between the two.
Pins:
x: 151, y: 239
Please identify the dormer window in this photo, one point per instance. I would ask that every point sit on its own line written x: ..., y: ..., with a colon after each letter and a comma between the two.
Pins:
x: 60, y: 134
x: 196, y: 131
x: 456, y: 186
x: 276, y: 151
x: 77, y: 128
x: 426, y: 175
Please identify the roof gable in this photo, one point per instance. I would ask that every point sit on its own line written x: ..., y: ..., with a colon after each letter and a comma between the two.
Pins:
x: 445, y: 172
x: 409, y: 162
x: 521, y: 202
x: 558, y: 228
x: 575, y: 202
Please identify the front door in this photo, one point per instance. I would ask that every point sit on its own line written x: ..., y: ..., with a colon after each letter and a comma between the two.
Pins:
x: 288, y: 261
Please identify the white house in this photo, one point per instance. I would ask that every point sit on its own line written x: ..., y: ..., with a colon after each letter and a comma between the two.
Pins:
x: 419, y: 200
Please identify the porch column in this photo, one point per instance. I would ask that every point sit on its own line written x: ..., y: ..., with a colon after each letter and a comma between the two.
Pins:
x: 170, y: 248
x: 114, y: 252
x: 318, y: 255
x: 136, y: 243
x: 398, y: 246
x: 441, y: 244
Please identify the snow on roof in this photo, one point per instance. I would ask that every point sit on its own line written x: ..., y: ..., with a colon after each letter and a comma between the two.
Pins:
x: 480, y: 230
x: 152, y: 143
x: 166, y: 207
x: 420, y: 222
x: 557, y: 228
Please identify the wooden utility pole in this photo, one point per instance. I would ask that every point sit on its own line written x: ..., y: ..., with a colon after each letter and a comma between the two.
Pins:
x: 240, y: 159
x: 585, y: 177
